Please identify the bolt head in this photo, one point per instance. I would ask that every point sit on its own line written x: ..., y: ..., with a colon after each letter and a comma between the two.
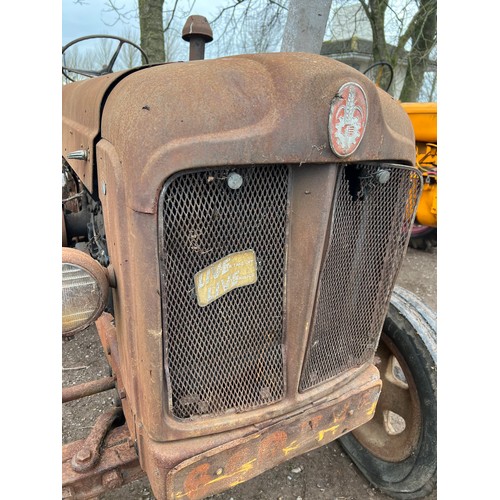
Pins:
x: 112, y: 479
x: 383, y: 176
x: 234, y: 180
x: 84, y: 455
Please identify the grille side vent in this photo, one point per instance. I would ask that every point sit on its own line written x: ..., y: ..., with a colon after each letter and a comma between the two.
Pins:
x: 373, y: 210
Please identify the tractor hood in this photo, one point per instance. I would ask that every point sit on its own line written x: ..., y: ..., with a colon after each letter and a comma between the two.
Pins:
x: 81, y: 120
x: 249, y: 109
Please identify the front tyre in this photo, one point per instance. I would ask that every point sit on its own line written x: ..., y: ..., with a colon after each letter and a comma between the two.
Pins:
x: 396, y: 451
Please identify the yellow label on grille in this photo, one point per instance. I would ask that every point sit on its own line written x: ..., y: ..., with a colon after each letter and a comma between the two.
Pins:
x: 233, y: 271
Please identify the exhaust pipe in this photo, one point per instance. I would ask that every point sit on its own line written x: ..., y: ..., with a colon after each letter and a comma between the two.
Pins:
x: 197, y: 32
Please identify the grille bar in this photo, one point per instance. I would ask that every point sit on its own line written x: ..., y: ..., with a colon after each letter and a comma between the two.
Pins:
x: 227, y: 355
x: 373, y: 210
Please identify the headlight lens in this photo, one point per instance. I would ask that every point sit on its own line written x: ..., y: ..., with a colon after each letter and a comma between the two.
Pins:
x: 84, y: 291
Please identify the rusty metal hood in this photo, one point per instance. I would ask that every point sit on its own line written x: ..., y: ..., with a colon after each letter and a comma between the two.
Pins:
x: 249, y: 109
x: 81, y: 119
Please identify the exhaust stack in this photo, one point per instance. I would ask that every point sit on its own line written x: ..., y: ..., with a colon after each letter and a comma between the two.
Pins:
x: 197, y: 32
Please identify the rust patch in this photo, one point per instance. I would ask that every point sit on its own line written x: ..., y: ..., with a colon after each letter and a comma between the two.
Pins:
x: 272, y: 446
x: 119, y: 465
x: 87, y: 389
x: 90, y: 452
x: 224, y: 467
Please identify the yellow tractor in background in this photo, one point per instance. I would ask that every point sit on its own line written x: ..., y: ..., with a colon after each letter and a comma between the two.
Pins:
x: 423, y: 116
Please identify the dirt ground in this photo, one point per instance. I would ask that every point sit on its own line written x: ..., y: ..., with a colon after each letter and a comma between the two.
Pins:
x: 323, y: 474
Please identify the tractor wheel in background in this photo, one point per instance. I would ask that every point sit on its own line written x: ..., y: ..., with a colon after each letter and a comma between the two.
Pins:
x: 397, y: 451
x: 423, y: 237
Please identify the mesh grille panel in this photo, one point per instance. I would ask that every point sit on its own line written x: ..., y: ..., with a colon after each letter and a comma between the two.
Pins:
x: 229, y: 354
x: 370, y: 228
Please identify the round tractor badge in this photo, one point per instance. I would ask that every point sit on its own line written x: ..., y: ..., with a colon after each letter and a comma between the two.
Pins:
x: 347, y: 120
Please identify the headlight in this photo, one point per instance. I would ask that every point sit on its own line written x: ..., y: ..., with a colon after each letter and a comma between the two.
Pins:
x: 85, y: 289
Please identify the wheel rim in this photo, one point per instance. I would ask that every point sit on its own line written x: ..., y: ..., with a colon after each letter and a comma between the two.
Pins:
x: 393, y: 433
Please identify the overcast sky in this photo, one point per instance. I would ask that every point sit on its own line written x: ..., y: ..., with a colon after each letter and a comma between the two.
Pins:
x: 90, y: 17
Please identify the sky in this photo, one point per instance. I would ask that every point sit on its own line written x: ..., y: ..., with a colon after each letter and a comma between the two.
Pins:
x: 91, y: 18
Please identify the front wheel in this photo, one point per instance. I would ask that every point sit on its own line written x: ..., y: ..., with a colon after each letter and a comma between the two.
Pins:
x: 396, y: 451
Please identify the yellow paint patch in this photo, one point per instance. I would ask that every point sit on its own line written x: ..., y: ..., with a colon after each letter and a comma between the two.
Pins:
x: 321, y: 434
x: 292, y: 446
x: 242, y: 470
x: 372, y: 408
x: 246, y: 467
x: 232, y: 485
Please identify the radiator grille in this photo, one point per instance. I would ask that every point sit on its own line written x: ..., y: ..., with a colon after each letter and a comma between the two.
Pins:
x: 370, y: 230
x: 229, y: 354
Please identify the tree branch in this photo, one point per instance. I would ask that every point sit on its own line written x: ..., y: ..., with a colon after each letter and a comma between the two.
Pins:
x: 118, y: 11
x: 238, y: 2
x: 172, y: 16
x: 277, y: 4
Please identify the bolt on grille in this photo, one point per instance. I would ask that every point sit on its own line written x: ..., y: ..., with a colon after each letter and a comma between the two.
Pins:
x: 373, y: 210
x: 228, y: 354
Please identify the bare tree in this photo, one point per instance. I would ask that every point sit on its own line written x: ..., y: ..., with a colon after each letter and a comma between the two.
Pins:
x: 102, y: 52
x: 73, y: 58
x: 175, y: 18
x: 160, y: 24
x: 151, y: 26
x: 403, y: 32
x: 399, y: 32
x: 420, y: 33
x: 129, y: 56
x: 249, y: 26
x: 173, y: 45
x: 305, y: 26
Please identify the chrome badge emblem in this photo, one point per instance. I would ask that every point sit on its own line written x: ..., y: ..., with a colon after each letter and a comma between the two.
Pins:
x: 347, y: 120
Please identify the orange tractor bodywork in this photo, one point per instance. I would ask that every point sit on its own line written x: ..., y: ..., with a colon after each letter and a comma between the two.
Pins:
x: 423, y: 116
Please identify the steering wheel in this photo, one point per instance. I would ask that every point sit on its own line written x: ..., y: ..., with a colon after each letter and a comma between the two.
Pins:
x: 107, y: 68
x: 379, y: 74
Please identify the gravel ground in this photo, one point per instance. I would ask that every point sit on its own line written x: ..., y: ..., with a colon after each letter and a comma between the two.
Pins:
x: 323, y: 474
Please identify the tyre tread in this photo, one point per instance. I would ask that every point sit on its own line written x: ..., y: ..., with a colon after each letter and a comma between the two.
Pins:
x: 412, y: 327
